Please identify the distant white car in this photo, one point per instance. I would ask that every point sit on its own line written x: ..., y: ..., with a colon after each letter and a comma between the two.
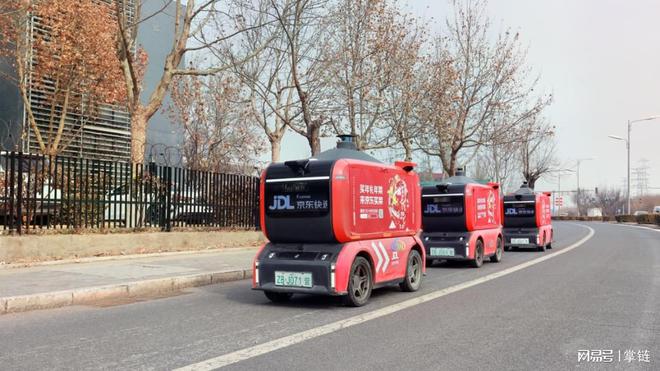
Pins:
x: 656, y: 210
x: 595, y: 212
x: 640, y: 212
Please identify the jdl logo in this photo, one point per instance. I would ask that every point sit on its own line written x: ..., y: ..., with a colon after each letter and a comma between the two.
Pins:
x: 432, y: 209
x: 281, y: 203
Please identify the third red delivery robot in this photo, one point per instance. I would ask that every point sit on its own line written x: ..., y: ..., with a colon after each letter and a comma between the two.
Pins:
x: 527, y: 219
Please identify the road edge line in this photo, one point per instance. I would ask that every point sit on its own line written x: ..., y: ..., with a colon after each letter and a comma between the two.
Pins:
x: 636, y: 226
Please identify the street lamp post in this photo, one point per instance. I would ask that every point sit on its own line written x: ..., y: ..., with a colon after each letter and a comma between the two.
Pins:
x: 630, y: 122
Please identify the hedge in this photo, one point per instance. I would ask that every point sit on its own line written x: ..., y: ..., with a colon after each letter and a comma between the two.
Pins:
x: 645, y: 219
x: 625, y: 218
x: 640, y: 219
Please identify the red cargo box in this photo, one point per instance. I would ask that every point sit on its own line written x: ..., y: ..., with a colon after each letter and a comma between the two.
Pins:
x: 543, y: 211
x: 482, y: 203
x: 345, y: 200
x: 374, y: 201
x: 462, y: 207
x: 527, y: 209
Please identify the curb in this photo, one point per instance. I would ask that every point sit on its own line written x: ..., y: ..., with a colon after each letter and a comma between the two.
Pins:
x: 90, y: 295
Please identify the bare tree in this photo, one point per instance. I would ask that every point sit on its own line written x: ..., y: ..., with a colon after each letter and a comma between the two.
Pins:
x: 216, y: 135
x: 537, y: 150
x: 267, y: 81
x: 205, y: 26
x: 610, y: 200
x: 303, y: 23
x: 500, y: 164
x: 585, y: 201
x: 434, y: 111
x: 365, y: 41
x: 645, y: 202
x: 405, y: 69
x: 494, y: 92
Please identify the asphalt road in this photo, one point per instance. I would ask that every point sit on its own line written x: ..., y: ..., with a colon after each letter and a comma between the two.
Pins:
x: 601, y: 295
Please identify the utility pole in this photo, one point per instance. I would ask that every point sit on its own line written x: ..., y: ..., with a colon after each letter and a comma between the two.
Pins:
x: 628, y: 150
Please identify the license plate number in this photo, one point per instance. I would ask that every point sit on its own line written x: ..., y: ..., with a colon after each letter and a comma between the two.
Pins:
x: 293, y: 279
x: 442, y: 251
x: 522, y: 241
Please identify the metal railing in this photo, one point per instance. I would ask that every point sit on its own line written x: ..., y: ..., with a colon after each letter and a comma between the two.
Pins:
x: 57, y: 192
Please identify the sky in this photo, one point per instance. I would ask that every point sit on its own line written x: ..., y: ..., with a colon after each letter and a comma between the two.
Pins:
x: 601, y: 61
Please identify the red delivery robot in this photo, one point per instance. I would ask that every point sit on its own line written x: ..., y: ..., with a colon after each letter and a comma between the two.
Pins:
x: 461, y: 220
x: 527, y: 219
x: 339, y: 223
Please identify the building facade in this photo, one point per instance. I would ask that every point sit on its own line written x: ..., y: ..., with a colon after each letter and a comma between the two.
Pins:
x: 104, y: 134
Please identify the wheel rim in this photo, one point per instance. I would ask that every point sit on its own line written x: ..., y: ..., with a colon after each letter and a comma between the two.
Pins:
x: 360, y: 281
x: 498, y: 252
x: 480, y: 253
x: 414, y: 270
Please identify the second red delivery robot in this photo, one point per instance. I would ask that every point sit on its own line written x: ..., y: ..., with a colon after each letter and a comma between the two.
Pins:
x: 461, y: 220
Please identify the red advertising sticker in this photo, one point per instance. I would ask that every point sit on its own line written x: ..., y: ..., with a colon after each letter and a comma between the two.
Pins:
x: 381, y: 200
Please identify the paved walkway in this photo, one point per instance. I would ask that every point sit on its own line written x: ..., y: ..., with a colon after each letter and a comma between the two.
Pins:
x: 72, y: 276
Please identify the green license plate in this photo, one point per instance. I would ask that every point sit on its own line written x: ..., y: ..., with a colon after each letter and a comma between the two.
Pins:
x: 442, y: 251
x: 293, y: 279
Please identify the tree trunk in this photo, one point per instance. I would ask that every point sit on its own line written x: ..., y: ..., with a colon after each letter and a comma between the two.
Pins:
x: 275, y: 148
x: 138, y: 137
x: 313, y: 133
x: 451, y: 169
x: 408, y: 149
x: 531, y: 181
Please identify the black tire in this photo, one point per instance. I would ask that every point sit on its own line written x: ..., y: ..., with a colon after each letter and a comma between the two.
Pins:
x: 499, y: 251
x: 360, y: 283
x: 478, y: 260
x: 413, y: 278
x: 278, y: 297
x: 541, y: 247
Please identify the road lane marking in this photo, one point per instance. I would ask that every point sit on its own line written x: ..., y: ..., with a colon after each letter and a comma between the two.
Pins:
x: 637, y: 226
x: 273, y: 345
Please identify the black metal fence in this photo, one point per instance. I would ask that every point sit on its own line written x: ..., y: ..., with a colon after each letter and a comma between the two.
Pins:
x: 56, y: 192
